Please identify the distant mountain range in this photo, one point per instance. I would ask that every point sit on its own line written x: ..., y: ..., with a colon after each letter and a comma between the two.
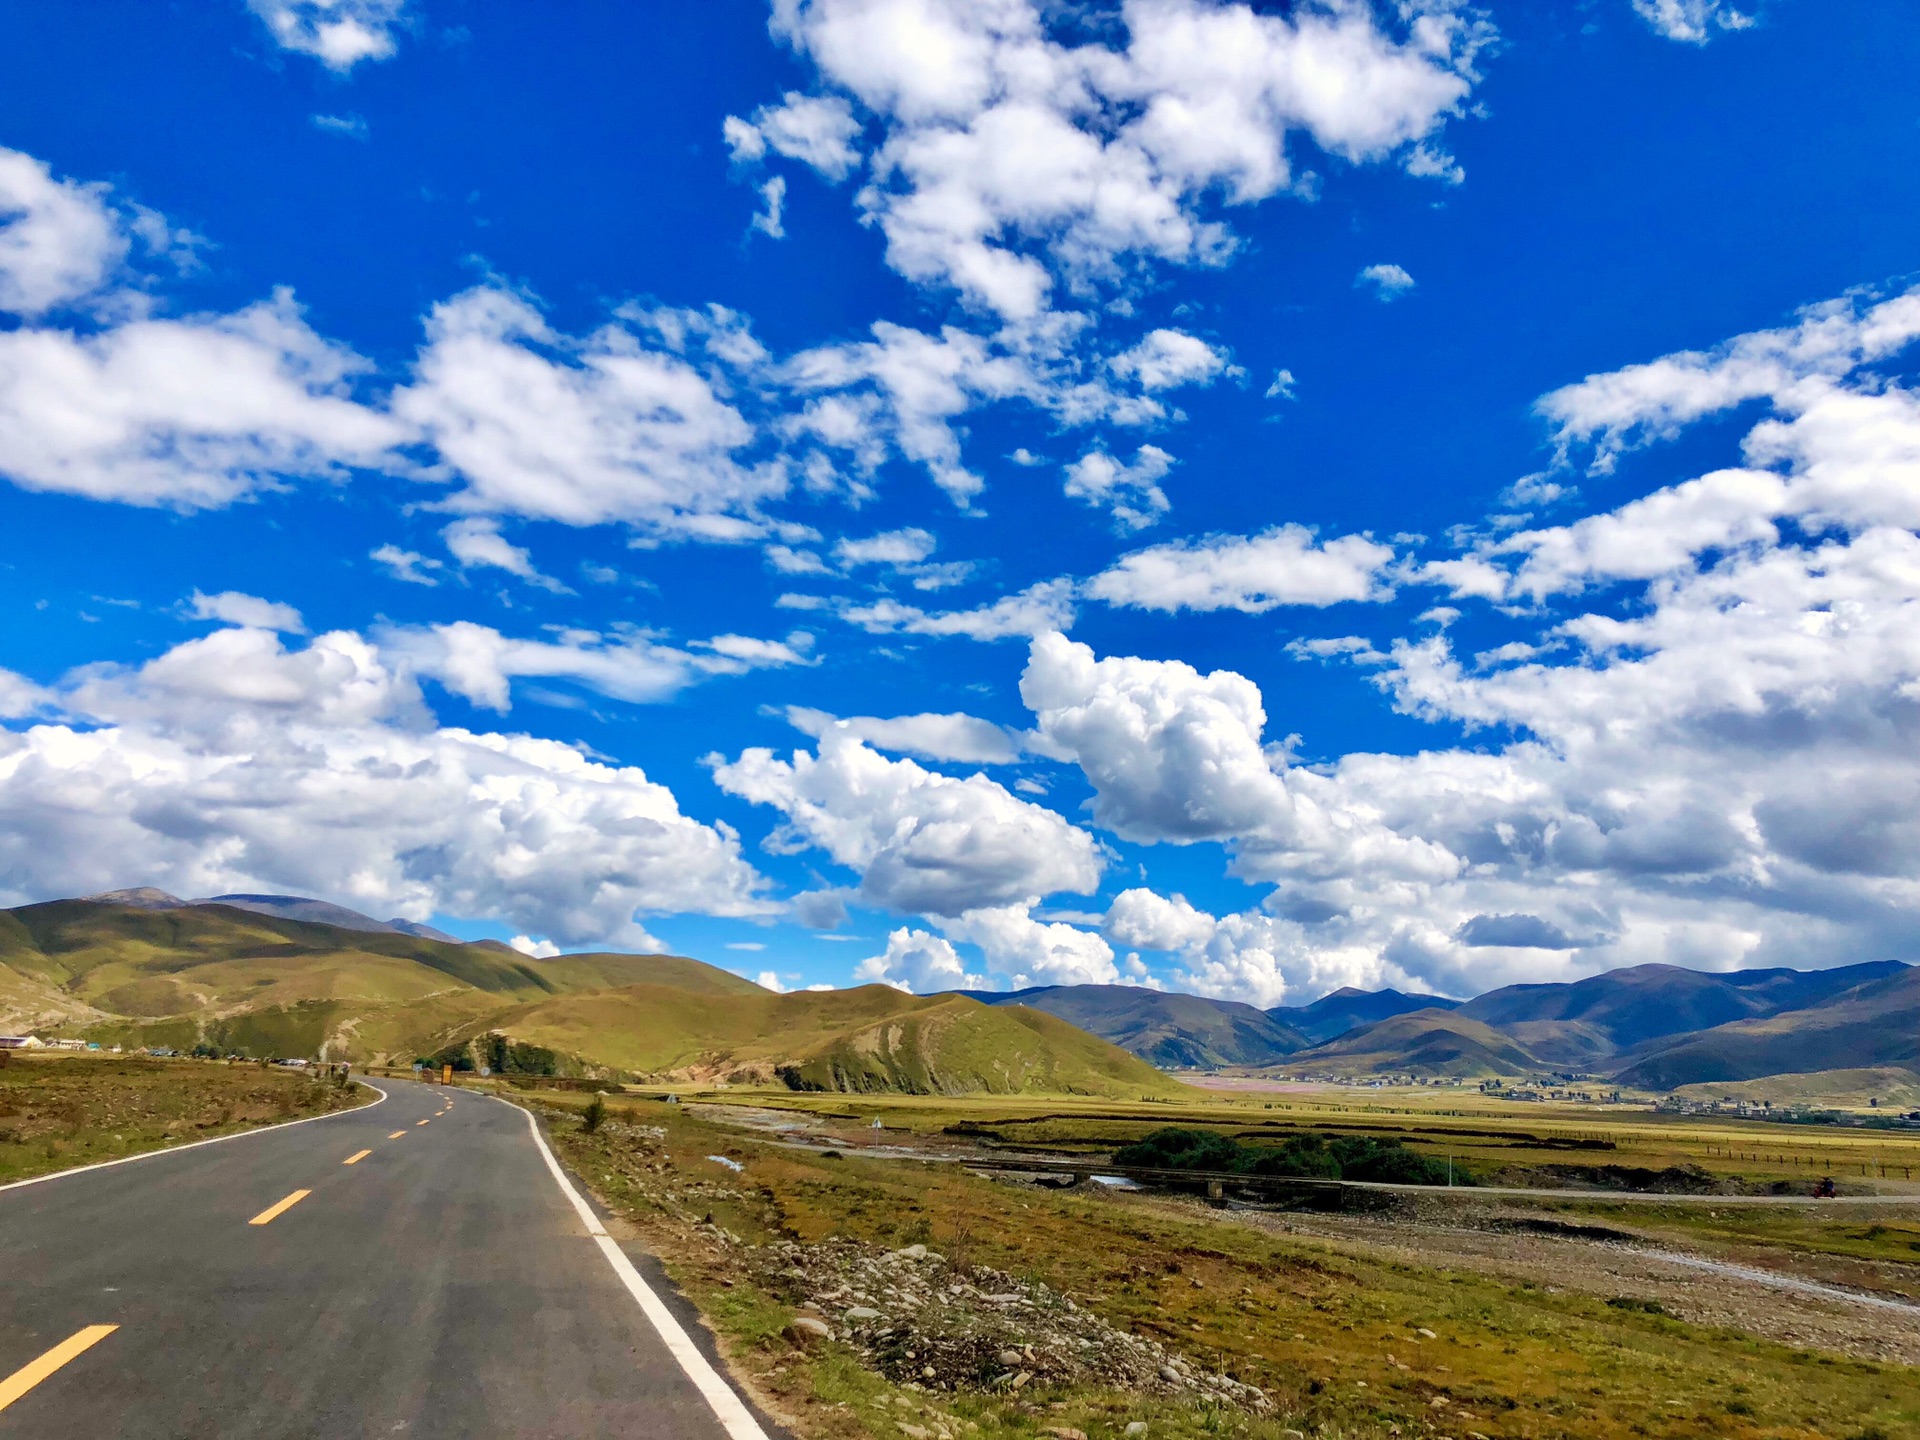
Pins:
x: 1177, y: 1031
x: 1651, y: 1026
x: 288, y: 974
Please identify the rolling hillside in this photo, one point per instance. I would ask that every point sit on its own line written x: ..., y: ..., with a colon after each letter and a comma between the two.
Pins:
x: 872, y: 1038
x: 152, y: 970
x: 1587, y: 1024
x: 1420, y: 1042
x: 236, y: 978
x: 1347, y: 1009
x: 1871, y: 1025
x: 1167, y: 1029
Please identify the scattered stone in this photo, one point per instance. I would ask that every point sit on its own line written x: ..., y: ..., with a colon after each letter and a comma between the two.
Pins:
x: 913, y: 1432
x: 1139, y: 1427
x: 1424, y: 1333
x: 1064, y: 1432
x: 804, y: 1330
x: 924, y: 1323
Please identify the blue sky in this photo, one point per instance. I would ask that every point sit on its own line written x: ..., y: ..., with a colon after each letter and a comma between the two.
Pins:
x: 1242, y: 499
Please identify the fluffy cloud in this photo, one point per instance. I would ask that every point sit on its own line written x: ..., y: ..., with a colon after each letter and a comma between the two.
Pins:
x: 337, y: 33
x: 1009, y: 155
x: 1041, y: 607
x: 1252, y: 573
x: 818, y: 130
x: 1169, y: 358
x: 233, y: 608
x: 1389, y: 282
x: 922, y: 842
x: 1026, y: 952
x: 894, y: 548
x: 1143, y: 919
x: 59, y: 241
x: 191, y: 413
x: 477, y: 543
x: 959, y: 739
x: 1172, y: 754
x: 1795, y: 367
x: 918, y: 962
x: 1693, y: 21
x: 585, y: 431
x: 1131, y: 492
x: 408, y: 565
x: 903, y: 391
x: 479, y: 664
x: 232, y: 763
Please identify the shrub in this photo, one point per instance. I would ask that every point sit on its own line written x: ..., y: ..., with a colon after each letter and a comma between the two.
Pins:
x: 593, y: 1115
x: 1341, y: 1157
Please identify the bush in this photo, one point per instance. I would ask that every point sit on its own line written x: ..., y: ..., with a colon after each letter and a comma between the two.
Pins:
x: 1315, y: 1157
x: 596, y: 1112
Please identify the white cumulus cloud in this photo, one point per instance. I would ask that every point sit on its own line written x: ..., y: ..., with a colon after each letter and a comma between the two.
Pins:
x: 337, y: 33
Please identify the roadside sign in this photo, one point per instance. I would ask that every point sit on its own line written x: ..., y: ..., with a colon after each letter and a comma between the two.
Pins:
x: 446, y: 1074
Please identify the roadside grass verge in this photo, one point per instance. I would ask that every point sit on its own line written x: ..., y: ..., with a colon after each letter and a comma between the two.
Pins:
x: 1344, y: 1345
x: 57, y: 1112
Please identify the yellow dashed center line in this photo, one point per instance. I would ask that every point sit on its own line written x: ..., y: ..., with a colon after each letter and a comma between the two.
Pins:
x: 356, y: 1158
x: 424, y: 1122
x: 272, y: 1211
x: 396, y: 1135
x: 32, y: 1373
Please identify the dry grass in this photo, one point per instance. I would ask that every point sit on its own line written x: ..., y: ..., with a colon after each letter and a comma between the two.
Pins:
x: 1336, y: 1339
x: 60, y: 1111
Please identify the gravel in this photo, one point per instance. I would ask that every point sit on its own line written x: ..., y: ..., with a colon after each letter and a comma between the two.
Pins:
x: 931, y: 1325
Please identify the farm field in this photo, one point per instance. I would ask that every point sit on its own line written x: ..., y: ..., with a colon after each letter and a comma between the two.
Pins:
x: 1351, y: 1325
x: 64, y: 1110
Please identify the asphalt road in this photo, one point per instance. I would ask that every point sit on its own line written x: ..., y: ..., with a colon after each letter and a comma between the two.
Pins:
x: 443, y: 1284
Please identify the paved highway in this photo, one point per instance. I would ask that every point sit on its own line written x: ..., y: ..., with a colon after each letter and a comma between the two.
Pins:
x: 419, y: 1267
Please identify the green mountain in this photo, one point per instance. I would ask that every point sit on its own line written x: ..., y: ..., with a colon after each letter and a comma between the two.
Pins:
x: 153, y: 971
x: 872, y: 1038
x: 1167, y: 1029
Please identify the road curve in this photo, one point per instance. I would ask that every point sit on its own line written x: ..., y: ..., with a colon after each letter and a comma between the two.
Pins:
x: 413, y: 1268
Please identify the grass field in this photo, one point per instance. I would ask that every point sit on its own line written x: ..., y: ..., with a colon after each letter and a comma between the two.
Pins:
x: 1346, y: 1346
x: 65, y: 1110
x: 1495, y: 1141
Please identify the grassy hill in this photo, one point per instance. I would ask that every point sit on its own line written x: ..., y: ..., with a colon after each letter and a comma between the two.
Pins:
x: 268, y: 984
x: 1420, y: 1042
x: 866, y: 1039
x: 271, y: 985
x: 1894, y: 1088
x: 1167, y: 1029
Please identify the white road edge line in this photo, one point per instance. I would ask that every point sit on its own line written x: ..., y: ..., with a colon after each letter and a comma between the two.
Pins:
x: 732, y: 1412
x: 195, y: 1145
